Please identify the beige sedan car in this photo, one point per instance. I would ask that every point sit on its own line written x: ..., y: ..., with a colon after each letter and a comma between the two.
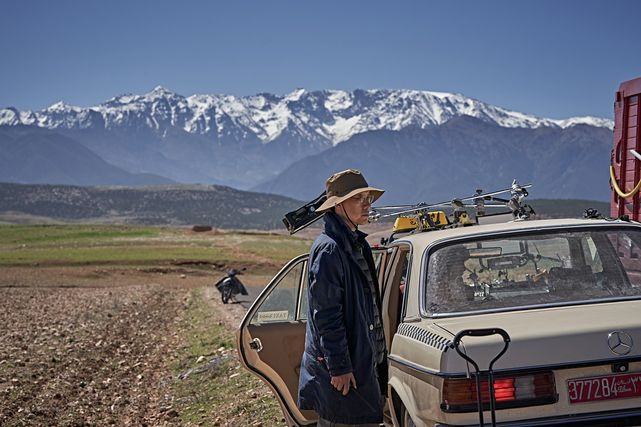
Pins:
x: 567, y: 293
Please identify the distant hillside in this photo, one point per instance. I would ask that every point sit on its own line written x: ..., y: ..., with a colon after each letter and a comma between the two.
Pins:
x: 218, y: 206
x: 33, y: 155
x: 570, y: 208
x: 451, y: 160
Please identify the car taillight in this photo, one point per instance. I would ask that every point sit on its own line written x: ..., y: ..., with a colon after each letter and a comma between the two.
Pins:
x: 459, y: 394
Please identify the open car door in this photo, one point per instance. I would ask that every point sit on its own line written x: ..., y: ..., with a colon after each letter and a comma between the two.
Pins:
x: 271, y: 337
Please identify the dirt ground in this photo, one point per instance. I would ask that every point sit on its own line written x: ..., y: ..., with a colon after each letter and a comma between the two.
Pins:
x: 93, y: 345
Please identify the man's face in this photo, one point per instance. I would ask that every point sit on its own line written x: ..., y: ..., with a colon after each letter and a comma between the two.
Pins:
x: 357, y: 207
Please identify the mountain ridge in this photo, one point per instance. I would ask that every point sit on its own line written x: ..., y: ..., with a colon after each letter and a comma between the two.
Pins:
x: 247, y: 142
x: 426, y: 165
x: 332, y: 116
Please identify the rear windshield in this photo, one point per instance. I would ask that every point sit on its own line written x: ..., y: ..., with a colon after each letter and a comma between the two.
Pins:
x: 532, y: 269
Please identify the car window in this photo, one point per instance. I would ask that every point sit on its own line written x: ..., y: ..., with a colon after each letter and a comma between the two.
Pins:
x: 591, y: 254
x: 281, y: 303
x: 404, y: 270
x: 403, y: 278
x: 557, y: 267
x: 629, y: 253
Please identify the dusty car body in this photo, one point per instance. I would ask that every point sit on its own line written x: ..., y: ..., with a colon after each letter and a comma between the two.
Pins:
x: 568, y: 293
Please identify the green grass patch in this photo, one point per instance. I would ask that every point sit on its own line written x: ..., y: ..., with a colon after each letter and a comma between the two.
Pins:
x: 125, y: 255
x: 205, y: 334
x: 224, y: 392
x: 45, y: 234
x: 101, y: 244
x: 278, y: 248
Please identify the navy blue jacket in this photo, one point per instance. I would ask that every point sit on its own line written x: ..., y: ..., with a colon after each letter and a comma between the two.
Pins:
x: 340, y: 336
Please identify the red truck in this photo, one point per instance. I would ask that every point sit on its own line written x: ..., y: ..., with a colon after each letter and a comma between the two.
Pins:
x: 625, y: 162
x: 625, y: 169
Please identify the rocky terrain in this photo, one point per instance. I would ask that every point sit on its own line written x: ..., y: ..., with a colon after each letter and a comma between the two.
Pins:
x: 78, y: 356
x: 100, y: 346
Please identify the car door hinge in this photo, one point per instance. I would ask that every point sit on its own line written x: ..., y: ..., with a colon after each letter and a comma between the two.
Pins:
x: 256, y: 345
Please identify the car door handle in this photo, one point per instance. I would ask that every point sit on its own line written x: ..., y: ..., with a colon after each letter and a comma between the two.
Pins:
x: 256, y: 345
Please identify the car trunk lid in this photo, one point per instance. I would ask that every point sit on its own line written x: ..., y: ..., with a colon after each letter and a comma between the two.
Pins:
x: 558, y: 336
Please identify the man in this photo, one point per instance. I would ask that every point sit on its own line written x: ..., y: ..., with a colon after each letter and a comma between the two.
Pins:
x: 344, y: 369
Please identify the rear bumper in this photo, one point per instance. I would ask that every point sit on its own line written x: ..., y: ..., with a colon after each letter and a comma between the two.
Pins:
x: 618, y: 418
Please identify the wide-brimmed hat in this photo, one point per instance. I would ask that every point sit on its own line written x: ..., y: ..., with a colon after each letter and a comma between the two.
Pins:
x: 345, y: 184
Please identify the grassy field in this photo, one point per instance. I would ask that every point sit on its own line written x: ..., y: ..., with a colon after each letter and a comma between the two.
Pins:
x: 90, y: 267
x: 24, y: 245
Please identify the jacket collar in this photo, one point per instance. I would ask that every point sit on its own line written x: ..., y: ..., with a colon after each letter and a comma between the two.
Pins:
x: 336, y: 228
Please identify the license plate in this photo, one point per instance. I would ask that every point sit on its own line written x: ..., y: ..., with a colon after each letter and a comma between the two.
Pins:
x: 604, y: 388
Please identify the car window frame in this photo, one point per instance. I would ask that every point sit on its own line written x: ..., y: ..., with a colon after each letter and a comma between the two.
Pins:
x: 266, y: 292
x: 389, y: 276
x: 437, y: 244
x: 302, y: 288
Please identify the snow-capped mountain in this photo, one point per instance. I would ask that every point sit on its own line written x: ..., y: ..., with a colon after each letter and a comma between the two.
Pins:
x: 329, y: 116
x: 250, y: 142
x: 441, y: 162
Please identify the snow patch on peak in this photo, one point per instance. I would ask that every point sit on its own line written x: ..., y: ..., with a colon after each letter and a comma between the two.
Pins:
x: 338, y: 100
x: 9, y: 117
x: 343, y: 128
x: 585, y: 120
x: 123, y: 99
x: 28, y: 117
x: 61, y: 106
x: 444, y: 95
x: 258, y: 101
x: 12, y: 117
x: 161, y: 90
x: 272, y: 122
x: 158, y: 93
x: 295, y: 95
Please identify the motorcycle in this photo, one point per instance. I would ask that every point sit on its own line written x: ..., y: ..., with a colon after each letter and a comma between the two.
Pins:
x: 230, y: 286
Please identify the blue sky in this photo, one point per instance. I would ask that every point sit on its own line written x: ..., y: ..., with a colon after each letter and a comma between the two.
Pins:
x: 550, y: 58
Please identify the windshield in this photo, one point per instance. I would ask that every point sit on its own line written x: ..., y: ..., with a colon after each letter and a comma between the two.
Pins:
x: 552, y: 268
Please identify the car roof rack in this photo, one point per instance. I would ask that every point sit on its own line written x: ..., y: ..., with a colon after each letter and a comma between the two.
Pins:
x: 422, y: 217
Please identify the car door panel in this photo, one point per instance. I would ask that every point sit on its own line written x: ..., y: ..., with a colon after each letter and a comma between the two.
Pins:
x: 278, y: 363
x: 271, y: 338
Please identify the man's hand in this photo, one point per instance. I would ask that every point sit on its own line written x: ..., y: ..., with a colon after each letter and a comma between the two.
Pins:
x: 343, y: 382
